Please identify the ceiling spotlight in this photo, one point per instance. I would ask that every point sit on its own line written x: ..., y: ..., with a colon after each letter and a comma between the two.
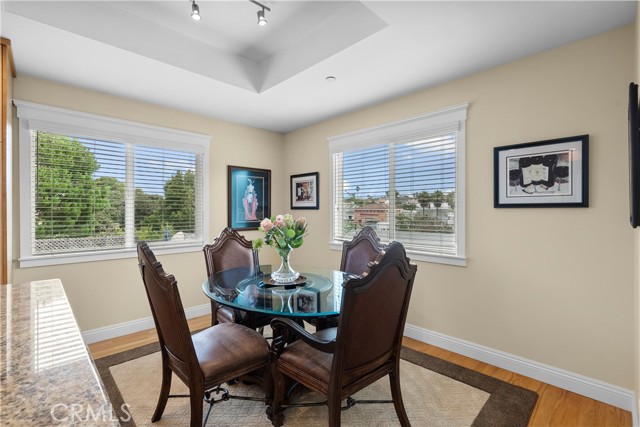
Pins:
x: 195, y: 12
x: 261, y: 18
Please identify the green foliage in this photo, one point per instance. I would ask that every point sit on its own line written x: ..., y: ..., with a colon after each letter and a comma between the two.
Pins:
x: 71, y: 202
x: 180, y: 201
x: 110, y: 219
x: 450, y: 198
x: 282, y: 232
x: 437, y: 199
x: 422, y: 223
x: 148, y: 233
x: 66, y: 193
x: 424, y: 198
x: 348, y: 225
x: 148, y: 213
x: 257, y: 244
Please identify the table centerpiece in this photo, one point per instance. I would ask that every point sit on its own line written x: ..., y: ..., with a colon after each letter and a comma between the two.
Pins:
x: 284, y: 234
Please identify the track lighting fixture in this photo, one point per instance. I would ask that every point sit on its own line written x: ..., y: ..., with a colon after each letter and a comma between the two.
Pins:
x: 261, y: 18
x: 195, y: 11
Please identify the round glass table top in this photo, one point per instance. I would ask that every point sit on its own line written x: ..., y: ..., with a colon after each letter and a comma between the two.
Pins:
x: 316, y: 293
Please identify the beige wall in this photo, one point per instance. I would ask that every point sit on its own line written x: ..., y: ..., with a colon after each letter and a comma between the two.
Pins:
x: 551, y: 285
x: 108, y: 293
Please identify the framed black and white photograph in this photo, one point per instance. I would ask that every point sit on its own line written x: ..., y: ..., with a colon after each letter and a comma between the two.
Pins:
x: 552, y: 173
x: 249, y: 197
x: 304, y: 191
x: 305, y: 302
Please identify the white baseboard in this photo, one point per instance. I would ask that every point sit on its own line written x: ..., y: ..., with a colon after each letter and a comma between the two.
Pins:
x: 126, y: 328
x: 589, y: 387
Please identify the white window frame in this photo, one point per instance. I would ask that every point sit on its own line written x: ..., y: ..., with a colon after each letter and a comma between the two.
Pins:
x: 34, y: 116
x: 422, y: 126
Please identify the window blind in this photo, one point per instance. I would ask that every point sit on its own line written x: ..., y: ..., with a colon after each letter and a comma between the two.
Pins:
x: 404, y: 181
x: 92, y: 185
x: 83, y: 191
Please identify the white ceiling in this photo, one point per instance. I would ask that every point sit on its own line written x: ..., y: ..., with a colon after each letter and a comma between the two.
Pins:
x: 273, y: 76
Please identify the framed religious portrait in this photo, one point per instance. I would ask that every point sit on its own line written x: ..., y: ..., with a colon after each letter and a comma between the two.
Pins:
x: 553, y: 173
x: 249, y: 197
x: 304, y: 191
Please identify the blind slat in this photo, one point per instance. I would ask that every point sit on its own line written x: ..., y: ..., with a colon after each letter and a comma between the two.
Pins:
x: 79, y: 194
x: 405, y: 190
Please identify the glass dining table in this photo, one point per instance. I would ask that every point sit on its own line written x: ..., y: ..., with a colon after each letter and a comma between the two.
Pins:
x: 315, y: 294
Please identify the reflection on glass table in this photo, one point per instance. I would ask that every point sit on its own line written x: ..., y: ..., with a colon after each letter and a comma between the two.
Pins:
x: 316, y: 293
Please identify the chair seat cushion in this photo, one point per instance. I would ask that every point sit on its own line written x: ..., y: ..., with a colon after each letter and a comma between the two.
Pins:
x: 228, y: 350
x: 308, y: 365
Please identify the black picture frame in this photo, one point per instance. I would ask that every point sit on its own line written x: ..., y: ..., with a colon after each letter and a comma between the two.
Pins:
x: 248, y: 197
x: 634, y: 156
x: 552, y: 174
x: 304, y: 191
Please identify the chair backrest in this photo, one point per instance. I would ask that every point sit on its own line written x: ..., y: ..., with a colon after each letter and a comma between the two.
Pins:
x: 373, y: 315
x: 229, y: 250
x: 359, y: 252
x: 168, y: 312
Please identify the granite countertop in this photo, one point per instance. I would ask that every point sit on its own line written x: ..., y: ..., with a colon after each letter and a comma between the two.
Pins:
x: 47, y: 377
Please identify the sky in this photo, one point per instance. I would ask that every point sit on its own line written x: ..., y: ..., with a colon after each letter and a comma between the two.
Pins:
x: 425, y: 165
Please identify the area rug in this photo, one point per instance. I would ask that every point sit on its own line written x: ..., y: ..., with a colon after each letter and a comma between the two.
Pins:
x: 436, y: 393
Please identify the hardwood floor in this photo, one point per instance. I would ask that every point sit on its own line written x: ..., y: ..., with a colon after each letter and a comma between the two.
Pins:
x: 556, y: 407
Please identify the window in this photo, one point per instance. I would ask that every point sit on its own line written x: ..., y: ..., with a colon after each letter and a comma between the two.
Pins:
x: 91, y: 187
x: 406, y: 180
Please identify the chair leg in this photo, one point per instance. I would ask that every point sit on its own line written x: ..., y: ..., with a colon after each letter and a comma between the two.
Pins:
x: 164, y: 392
x: 396, y: 395
x: 196, y: 400
x: 214, y: 313
x: 274, y: 410
x: 267, y: 384
x: 334, y: 405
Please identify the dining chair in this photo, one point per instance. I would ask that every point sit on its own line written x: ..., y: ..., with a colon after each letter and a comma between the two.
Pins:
x: 365, y: 346
x: 356, y: 256
x: 360, y: 251
x: 230, y: 251
x: 205, y: 360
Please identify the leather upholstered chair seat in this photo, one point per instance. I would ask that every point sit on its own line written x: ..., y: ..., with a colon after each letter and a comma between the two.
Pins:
x: 304, y: 358
x: 228, y: 348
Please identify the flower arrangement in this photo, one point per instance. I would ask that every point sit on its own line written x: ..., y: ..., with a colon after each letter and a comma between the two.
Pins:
x: 282, y: 232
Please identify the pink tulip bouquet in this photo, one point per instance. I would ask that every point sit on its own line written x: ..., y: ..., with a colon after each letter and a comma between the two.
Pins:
x: 282, y: 232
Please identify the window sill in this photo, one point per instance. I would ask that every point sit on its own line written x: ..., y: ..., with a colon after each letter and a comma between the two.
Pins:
x: 75, y: 258
x: 418, y: 256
